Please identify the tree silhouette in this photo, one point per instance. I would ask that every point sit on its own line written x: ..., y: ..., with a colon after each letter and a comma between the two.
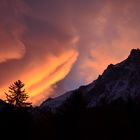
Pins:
x: 17, y: 95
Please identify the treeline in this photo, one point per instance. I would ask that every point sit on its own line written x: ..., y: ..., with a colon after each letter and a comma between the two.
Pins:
x: 117, y: 120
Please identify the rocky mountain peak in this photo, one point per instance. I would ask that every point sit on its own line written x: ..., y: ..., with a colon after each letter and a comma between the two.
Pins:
x: 134, y: 55
x: 117, y: 81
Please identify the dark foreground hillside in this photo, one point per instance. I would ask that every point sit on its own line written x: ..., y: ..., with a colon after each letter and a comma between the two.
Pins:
x: 119, y: 120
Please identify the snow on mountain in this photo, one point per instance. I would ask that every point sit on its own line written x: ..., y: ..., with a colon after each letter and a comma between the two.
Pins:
x: 117, y: 81
x: 56, y: 102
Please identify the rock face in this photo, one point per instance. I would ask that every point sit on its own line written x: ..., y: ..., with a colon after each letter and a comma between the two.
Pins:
x: 117, y: 81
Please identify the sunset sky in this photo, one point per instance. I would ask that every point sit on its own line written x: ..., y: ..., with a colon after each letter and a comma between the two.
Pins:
x: 57, y: 45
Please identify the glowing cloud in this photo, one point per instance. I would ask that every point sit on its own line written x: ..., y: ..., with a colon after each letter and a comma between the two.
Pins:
x: 53, y: 73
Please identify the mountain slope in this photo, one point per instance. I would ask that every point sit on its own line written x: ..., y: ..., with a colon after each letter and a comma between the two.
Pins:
x: 117, y: 81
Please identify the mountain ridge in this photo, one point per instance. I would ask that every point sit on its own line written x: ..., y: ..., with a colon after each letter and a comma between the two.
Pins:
x: 114, y: 83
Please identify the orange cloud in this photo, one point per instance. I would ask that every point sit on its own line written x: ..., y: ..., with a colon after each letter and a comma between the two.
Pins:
x: 61, y: 67
x: 18, y: 53
x: 52, y: 71
x: 43, y: 75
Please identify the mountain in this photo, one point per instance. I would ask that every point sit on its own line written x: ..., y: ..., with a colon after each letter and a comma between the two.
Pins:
x: 108, y: 108
x: 117, y: 81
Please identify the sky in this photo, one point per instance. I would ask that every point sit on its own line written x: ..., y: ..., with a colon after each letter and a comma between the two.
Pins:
x: 54, y: 46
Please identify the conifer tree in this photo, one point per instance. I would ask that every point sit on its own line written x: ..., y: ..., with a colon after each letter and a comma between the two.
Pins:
x: 17, y: 95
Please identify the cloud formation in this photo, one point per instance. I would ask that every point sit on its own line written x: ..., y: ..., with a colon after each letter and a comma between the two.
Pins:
x: 55, y: 46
